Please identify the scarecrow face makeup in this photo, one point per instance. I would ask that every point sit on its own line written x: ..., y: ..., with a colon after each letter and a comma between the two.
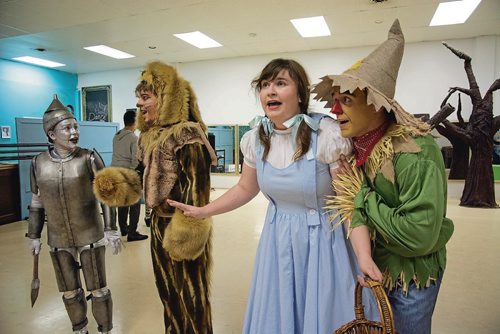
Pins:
x: 279, y: 98
x: 147, y: 106
x: 355, y: 117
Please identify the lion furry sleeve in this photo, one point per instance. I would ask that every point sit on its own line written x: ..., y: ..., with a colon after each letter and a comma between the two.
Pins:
x: 117, y: 186
x: 186, y: 237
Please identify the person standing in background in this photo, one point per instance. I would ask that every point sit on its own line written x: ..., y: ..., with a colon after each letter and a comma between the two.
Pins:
x: 147, y: 216
x: 125, y: 155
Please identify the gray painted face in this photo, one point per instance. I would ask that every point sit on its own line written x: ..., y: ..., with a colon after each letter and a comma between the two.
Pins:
x: 65, y: 135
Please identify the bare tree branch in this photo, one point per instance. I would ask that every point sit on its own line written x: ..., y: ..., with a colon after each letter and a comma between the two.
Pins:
x: 441, y: 115
x: 461, y: 121
x: 445, y: 100
x: 456, y: 130
x: 463, y: 90
x: 494, y: 86
x: 468, y: 69
x: 457, y: 53
x: 496, y: 124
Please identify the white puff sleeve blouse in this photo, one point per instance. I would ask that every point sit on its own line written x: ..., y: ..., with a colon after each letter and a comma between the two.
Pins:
x: 329, y: 146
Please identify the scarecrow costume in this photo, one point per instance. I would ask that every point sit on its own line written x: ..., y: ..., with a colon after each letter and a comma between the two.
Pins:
x: 398, y: 187
x: 174, y: 162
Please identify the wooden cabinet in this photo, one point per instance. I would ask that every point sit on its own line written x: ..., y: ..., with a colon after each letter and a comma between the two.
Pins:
x: 9, y: 194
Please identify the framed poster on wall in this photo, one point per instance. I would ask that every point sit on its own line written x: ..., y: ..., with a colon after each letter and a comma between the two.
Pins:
x: 96, y: 103
x: 5, y: 132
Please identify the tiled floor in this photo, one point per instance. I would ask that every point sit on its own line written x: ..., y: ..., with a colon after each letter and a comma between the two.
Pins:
x: 469, y: 300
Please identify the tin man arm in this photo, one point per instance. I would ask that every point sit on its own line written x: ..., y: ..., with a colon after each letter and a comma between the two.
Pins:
x: 36, y: 215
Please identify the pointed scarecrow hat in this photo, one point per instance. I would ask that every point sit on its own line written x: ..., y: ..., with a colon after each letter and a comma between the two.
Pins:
x: 376, y: 74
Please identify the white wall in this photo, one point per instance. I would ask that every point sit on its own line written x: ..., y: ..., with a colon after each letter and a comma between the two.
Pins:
x: 225, y: 96
x: 223, y: 86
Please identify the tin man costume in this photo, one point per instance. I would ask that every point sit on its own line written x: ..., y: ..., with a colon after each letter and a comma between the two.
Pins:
x: 61, y: 183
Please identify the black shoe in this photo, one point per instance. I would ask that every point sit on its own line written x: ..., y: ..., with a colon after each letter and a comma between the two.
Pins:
x: 123, y: 231
x: 136, y: 236
x: 147, y: 221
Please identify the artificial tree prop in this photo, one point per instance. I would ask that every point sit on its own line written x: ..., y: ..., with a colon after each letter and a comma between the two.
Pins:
x: 479, y: 188
x: 456, y: 135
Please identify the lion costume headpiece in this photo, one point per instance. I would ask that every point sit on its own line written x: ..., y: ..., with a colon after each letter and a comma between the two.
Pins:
x: 176, y: 99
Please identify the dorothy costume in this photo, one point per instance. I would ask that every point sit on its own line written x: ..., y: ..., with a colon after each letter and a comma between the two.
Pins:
x: 305, y: 272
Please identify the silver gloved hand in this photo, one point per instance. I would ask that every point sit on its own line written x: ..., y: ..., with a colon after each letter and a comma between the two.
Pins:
x: 113, y: 240
x: 34, y: 246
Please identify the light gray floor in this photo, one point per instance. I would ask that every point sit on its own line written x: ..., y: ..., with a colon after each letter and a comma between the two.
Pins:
x: 469, y: 300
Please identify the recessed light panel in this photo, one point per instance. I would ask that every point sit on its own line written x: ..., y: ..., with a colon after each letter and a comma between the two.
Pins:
x: 311, y: 26
x: 198, y: 39
x: 38, y: 61
x: 110, y: 52
x: 453, y: 12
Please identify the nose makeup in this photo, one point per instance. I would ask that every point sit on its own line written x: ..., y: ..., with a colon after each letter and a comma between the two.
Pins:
x: 336, y: 109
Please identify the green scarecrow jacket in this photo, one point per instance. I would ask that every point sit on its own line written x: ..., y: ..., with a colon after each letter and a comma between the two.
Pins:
x: 402, y: 200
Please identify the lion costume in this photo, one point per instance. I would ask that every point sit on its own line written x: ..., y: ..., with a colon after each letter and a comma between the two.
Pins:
x: 174, y: 162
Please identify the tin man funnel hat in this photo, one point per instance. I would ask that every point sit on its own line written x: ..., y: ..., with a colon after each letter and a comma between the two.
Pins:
x: 55, y: 113
x: 376, y: 74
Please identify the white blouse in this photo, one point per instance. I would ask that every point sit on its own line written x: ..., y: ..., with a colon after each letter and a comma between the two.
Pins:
x: 329, y: 146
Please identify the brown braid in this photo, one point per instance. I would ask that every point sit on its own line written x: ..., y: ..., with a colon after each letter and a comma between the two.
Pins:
x: 303, y: 140
x: 265, y: 141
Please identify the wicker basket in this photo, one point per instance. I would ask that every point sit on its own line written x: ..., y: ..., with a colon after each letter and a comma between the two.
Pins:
x: 360, y: 325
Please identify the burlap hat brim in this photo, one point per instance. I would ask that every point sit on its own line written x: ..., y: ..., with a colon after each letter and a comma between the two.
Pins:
x: 345, y: 82
x: 376, y: 74
x: 348, y: 83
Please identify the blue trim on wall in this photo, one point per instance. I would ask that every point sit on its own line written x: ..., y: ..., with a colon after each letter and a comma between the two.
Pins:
x: 27, y: 91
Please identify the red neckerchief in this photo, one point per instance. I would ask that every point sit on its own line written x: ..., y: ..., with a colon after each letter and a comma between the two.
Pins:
x: 363, y: 145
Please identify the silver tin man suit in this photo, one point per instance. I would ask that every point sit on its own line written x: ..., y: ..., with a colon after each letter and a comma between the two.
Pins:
x: 62, y: 189
x: 65, y: 188
x: 74, y: 224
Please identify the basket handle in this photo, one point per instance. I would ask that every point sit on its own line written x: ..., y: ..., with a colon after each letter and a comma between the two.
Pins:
x: 384, y: 307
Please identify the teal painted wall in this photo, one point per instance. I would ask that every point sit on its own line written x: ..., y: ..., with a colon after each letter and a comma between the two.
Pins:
x: 27, y: 90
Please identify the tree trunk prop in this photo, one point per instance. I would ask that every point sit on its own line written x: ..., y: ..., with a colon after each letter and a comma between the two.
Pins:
x: 456, y: 135
x: 479, y: 190
x: 460, y: 156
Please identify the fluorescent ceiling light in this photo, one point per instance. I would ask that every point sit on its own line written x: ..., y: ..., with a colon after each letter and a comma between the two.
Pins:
x: 110, y: 52
x: 453, y: 12
x: 198, y: 39
x: 38, y: 61
x: 311, y: 26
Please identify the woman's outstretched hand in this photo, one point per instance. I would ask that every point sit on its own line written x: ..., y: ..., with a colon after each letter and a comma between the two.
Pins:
x: 189, y: 210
